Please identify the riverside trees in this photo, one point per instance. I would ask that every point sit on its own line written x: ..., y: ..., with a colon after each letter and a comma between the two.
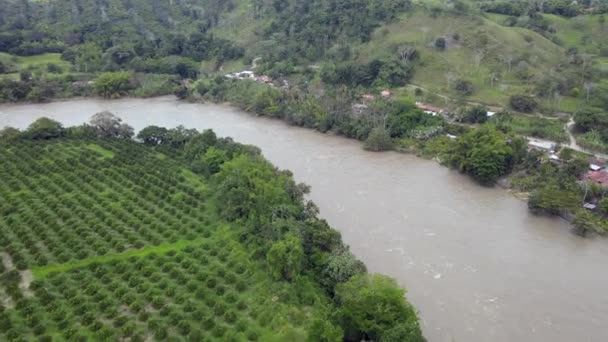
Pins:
x: 486, y: 153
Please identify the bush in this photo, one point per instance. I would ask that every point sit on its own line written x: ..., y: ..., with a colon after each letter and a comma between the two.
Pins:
x: 523, y: 103
x: 464, y: 87
x: 44, y: 129
x: 113, y: 84
x: 476, y: 114
x: 378, y: 140
x: 441, y: 43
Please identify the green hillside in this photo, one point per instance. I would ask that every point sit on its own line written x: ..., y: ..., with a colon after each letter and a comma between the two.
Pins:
x: 457, y: 52
x: 478, y: 50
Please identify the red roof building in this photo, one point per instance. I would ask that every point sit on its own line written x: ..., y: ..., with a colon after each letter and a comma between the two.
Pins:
x: 429, y: 108
x: 599, y: 177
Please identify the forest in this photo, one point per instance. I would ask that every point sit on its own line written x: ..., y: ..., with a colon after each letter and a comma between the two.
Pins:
x: 182, y: 235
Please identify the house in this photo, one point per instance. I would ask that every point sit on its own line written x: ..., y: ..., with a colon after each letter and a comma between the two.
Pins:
x: 490, y: 114
x: 554, y: 158
x: 386, y: 93
x: 451, y: 136
x: 598, y: 177
x: 428, y: 109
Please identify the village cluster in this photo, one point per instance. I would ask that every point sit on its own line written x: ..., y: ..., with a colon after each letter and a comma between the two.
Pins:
x: 598, y: 169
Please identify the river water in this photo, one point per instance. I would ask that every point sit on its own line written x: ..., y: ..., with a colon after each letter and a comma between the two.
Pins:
x: 476, y: 264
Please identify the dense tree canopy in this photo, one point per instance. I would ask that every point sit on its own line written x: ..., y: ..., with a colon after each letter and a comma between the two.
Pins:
x: 372, y: 305
x: 486, y: 153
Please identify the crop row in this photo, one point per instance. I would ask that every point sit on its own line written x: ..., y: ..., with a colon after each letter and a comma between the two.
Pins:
x: 58, y: 211
x: 197, y: 293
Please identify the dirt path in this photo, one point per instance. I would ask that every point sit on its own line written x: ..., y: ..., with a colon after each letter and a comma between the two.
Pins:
x: 575, y: 146
x: 26, y: 279
x: 7, y: 261
x: 254, y: 62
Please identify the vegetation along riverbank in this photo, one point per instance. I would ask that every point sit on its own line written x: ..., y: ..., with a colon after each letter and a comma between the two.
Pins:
x: 475, y: 84
x: 181, y: 236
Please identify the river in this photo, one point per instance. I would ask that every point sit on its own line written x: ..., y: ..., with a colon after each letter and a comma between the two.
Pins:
x: 476, y: 264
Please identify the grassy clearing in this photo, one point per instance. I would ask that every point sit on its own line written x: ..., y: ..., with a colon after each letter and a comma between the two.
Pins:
x: 480, y: 39
x: 42, y: 272
x: 538, y: 127
x: 107, y: 154
x: 36, y: 61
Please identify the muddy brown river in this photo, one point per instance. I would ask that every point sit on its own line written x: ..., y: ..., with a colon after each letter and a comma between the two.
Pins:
x: 475, y: 263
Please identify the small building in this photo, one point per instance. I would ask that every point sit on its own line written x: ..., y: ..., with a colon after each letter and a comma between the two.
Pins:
x: 451, y: 136
x: 589, y: 206
x: 386, y: 93
x: 490, y: 114
x: 428, y: 109
x: 594, y: 167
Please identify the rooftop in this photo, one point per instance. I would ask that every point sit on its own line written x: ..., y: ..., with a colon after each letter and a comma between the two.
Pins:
x: 599, y: 177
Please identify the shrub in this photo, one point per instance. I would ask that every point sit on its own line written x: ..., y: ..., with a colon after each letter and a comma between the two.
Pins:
x: 113, y: 84
x: 378, y: 140
x: 44, y: 129
x: 464, y: 87
x: 441, y: 43
x: 523, y: 103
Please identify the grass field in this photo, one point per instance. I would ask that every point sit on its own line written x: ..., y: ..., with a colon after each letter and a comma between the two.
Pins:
x: 34, y: 62
x: 481, y: 50
x: 124, y: 245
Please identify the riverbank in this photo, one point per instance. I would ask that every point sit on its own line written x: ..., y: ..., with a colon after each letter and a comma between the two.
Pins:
x: 413, y: 148
x: 452, y: 243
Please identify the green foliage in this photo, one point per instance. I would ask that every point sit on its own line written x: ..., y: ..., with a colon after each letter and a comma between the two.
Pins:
x: 595, y: 126
x: 341, y: 266
x: 464, y: 87
x: 285, y: 258
x: 379, y: 139
x: 585, y: 222
x: 440, y: 43
x: 153, y: 135
x: 113, y: 84
x: 476, y: 114
x: 249, y: 187
x: 553, y: 199
x: 371, y: 305
x: 523, y: 103
x: 45, y: 128
x: 133, y: 241
x: 538, y: 127
x: 321, y: 329
x: 485, y: 153
x: 603, y: 206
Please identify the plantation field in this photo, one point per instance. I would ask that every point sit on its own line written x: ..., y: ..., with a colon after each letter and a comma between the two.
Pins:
x: 122, y: 242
